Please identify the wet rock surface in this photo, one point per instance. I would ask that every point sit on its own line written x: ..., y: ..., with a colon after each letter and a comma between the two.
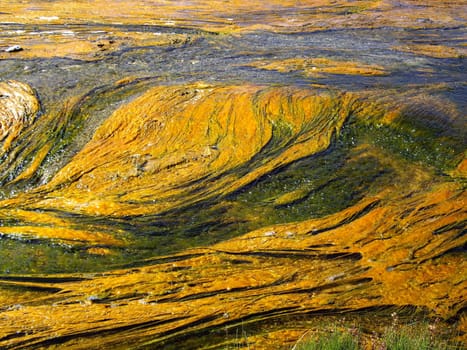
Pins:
x: 19, y: 107
x: 171, y: 173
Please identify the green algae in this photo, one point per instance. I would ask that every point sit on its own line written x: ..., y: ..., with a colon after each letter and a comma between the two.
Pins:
x: 33, y: 256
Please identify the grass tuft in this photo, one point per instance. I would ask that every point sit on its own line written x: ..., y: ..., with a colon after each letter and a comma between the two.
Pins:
x: 336, y: 340
x: 416, y: 336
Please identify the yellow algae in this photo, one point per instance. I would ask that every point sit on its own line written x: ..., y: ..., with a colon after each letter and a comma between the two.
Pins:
x: 437, y: 51
x: 319, y: 66
x: 290, y: 197
x: 335, y: 262
x: 98, y: 251
x: 72, y: 48
x: 47, y: 225
x: 88, y: 46
x: 153, y: 149
x: 212, y: 15
x: 462, y: 337
x: 287, y: 16
x: 33, y: 216
x: 394, y: 248
x: 149, y: 155
x: 178, y: 156
x: 63, y: 234
x: 461, y: 169
x: 36, y: 162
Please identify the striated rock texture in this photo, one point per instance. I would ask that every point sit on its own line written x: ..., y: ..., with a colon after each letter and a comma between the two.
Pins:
x: 19, y: 107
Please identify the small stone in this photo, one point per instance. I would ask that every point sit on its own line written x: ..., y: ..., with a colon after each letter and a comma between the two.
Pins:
x: 14, y: 48
x: 335, y: 277
x: 15, y: 307
x: 92, y: 298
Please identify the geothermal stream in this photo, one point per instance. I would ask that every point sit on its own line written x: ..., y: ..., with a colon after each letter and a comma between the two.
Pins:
x: 208, y: 179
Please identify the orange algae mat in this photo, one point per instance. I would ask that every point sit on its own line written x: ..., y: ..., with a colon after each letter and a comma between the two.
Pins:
x: 282, y: 202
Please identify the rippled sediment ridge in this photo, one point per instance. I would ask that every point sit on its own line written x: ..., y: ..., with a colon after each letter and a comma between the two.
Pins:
x: 228, y: 179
